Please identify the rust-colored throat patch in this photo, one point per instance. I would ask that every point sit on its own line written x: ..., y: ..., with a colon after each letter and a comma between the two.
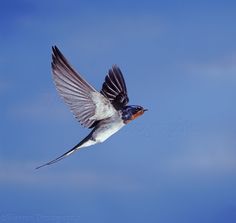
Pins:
x: 134, y: 116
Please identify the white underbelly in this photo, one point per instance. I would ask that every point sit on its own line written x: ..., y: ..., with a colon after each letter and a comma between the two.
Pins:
x: 107, y: 131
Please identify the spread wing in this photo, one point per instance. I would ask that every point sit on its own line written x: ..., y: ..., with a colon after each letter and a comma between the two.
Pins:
x: 114, y: 88
x: 87, y: 104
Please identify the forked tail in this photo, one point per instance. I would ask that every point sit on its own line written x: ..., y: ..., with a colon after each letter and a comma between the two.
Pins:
x: 75, y: 148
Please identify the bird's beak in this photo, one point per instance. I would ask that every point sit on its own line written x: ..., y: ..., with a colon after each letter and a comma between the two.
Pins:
x: 145, y: 109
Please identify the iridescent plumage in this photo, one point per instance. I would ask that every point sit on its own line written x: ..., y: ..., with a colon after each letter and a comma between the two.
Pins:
x: 105, y: 111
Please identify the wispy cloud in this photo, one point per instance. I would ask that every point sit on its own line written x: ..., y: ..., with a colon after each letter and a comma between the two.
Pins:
x: 223, y: 67
x: 24, y: 174
x: 209, y: 155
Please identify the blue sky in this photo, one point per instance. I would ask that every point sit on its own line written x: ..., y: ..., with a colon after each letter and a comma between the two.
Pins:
x: 177, y: 163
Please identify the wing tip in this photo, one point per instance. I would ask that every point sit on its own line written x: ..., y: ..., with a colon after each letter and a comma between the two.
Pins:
x: 116, y: 67
x: 55, y: 48
x: 56, y: 53
x: 58, y: 59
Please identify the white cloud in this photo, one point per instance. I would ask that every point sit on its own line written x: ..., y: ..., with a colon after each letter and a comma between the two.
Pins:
x: 18, y: 173
x: 224, y: 67
x: 212, y: 154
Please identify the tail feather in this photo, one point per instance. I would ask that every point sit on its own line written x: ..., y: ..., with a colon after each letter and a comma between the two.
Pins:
x: 74, y: 149
x: 59, y: 158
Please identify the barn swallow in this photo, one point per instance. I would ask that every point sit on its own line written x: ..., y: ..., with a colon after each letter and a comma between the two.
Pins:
x: 105, y: 112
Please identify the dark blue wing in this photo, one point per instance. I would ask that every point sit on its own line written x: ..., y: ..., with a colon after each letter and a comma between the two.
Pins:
x: 114, y: 88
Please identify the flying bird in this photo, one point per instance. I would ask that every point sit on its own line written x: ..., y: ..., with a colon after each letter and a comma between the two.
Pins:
x: 104, y: 112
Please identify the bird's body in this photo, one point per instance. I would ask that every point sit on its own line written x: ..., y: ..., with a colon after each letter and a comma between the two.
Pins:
x: 105, y: 111
x: 108, y: 127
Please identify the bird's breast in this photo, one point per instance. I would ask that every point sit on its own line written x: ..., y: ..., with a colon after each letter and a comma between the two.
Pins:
x: 107, y: 128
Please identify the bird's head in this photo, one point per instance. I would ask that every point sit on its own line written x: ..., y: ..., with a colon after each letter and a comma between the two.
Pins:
x: 132, y: 112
